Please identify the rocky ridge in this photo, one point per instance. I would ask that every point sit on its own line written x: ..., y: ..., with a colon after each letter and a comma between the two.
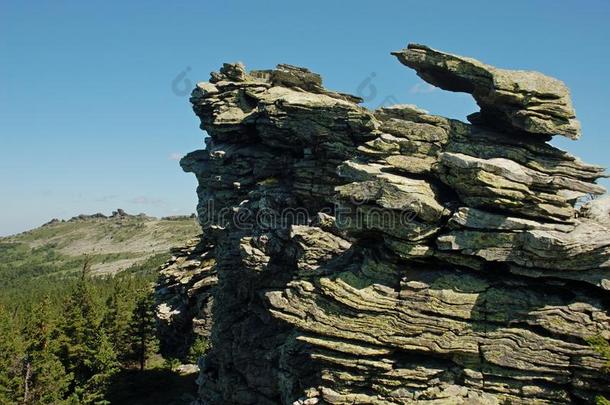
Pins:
x: 394, y: 256
x: 118, y: 214
x: 111, y: 243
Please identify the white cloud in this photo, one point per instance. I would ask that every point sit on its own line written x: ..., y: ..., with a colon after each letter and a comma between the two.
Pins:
x: 422, y: 88
x: 175, y: 156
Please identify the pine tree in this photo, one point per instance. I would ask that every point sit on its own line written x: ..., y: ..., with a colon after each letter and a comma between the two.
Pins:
x: 199, y: 347
x: 79, y: 332
x: 105, y: 366
x: 86, y: 349
x: 119, y: 307
x: 49, y: 381
x: 12, y: 352
x: 142, y: 331
x: 45, y: 379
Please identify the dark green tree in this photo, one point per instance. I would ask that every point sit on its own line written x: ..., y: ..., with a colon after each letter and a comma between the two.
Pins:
x: 104, y: 366
x: 86, y: 349
x: 12, y: 353
x: 142, y: 330
x: 45, y: 379
x: 119, y: 308
x: 199, y: 347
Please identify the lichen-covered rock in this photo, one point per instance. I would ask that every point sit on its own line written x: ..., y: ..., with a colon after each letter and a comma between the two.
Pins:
x: 185, y: 295
x: 512, y: 99
x: 394, y: 256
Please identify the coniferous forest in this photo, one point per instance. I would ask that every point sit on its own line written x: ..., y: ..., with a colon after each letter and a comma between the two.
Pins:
x: 79, y: 339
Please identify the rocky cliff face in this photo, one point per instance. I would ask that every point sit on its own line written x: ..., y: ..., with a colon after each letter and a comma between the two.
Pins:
x: 185, y: 293
x: 394, y: 256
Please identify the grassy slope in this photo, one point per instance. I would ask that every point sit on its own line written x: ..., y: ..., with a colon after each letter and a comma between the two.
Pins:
x: 112, y: 245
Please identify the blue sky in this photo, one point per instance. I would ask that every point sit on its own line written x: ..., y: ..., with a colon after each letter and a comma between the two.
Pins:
x: 93, y: 95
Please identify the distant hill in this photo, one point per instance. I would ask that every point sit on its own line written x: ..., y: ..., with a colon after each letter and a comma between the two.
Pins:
x: 112, y: 244
x: 48, y: 294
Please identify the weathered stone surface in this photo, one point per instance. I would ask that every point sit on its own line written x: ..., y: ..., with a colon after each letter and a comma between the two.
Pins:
x: 597, y: 210
x: 394, y: 256
x: 185, y: 293
x: 512, y: 99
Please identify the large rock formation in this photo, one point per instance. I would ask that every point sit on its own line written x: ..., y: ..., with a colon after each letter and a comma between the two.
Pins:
x: 394, y: 256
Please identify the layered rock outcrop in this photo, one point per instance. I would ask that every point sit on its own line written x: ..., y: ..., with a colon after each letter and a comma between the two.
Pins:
x: 185, y: 293
x: 394, y: 256
x: 513, y: 100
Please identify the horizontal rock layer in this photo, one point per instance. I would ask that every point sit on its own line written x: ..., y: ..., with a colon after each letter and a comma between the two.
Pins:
x: 394, y: 256
x: 518, y: 100
x: 185, y: 293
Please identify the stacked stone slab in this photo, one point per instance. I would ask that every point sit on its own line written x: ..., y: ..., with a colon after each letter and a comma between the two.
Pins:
x: 185, y: 293
x: 394, y: 256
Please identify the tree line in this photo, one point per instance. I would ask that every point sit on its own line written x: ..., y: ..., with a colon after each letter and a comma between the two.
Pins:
x: 62, y: 340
